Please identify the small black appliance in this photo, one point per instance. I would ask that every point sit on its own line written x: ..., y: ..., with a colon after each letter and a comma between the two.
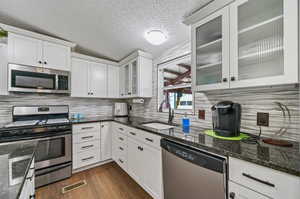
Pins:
x: 226, y: 116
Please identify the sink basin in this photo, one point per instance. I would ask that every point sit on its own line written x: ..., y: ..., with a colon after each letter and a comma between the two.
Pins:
x: 158, y: 125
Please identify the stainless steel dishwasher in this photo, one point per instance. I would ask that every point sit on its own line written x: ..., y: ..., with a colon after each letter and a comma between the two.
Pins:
x: 192, y: 174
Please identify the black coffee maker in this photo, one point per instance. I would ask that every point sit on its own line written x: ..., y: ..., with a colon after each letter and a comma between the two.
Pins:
x: 226, y: 117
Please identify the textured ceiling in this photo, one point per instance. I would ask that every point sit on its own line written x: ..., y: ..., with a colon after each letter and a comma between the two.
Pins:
x: 103, y: 28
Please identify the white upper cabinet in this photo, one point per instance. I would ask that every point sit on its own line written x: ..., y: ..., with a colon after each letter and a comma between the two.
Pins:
x: 79, y: 79
x: 113, y: 81
x: 56, y: 56
x: 3, y: 70
x: 24, y: 50
x: 89, y: 79
x: 97, y: 79
x: 136, y: 76
x: 211, y: 51
x: 246, y: 43
x: 264, y: 42
x: 34, y: 52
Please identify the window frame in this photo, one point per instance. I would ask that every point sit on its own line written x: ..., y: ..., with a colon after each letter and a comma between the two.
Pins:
x: 160, y: 89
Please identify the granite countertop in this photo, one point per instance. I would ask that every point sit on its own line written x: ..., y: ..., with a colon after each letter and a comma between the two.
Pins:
x: 279, y: 158
x: 8, y: 152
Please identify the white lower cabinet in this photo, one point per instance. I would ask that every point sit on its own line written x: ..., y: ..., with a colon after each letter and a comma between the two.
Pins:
x: 236, y: 191
x: 264, y: 182
x: 28, y: 190
x: 139, y: 157
x: 105, y: 141
x: 152, y: 170
x: 91, y: 144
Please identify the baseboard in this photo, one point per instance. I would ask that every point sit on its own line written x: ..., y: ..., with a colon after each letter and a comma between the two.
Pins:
x: 91, y: 166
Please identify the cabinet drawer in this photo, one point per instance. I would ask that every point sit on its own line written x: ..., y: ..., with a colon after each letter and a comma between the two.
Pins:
x: 135, y: 134
x: 120, y: 128
x: 267, y: 181
x: 84, y: 137
x: 151, y: 139
x: 122, y: 161
x: 86, y: 127
x: 85, y: 146
x: 86, y: 158
x: 240, y: 192
x: 121, y: 148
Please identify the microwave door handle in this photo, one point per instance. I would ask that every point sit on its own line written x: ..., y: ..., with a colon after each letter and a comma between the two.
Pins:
x: 56, y: 82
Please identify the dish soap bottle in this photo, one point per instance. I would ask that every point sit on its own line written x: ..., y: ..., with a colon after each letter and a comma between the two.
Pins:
x: 185, y: 124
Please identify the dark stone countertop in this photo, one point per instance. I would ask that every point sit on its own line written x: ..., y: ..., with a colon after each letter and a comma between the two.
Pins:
x: 279, y: 158
x: 8, y: 152
x: 91, y: 119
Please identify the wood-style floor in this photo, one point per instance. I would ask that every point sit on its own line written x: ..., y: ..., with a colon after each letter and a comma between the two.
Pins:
x: 104, y: 182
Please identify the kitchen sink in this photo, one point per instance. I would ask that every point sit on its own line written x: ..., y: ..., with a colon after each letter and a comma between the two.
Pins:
x: 158, y: 125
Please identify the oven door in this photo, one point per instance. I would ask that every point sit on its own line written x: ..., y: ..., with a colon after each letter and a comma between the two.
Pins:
x: 53, y: 151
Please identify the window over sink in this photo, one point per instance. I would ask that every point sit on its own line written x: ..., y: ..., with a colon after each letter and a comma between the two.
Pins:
x: 174, y: 86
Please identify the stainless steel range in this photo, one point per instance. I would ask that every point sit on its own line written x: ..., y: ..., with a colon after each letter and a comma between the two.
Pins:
x: 49, y: 125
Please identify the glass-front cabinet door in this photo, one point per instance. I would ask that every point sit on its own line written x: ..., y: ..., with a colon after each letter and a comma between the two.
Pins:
x: 210, y: 48
x: 264, y: 40
x: 126, y: 80
x: 134, y: 77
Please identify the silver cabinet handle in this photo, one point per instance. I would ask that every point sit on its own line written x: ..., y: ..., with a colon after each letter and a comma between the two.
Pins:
x: 88, y: 146
x: 148, y: 139
x: 132, y: 133
x: 86, y: 159
x: 121, y: 161
x: 121, y: 129
x: 87, y: 137
x: 102, y: 126
x: 121, y: 139
x: 85, y: 128
x: 121, y: 148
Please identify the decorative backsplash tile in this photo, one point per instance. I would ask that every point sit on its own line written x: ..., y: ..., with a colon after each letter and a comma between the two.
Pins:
x: 88, y: 107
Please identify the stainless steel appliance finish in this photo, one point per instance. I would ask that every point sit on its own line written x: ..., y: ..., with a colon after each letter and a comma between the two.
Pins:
x: 37, y: 79
x: 192, y: 174
x: 53, y: 151
x: 49, y: 125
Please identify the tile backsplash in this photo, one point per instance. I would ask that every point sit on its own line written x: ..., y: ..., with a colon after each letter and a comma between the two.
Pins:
x: 88, y: 107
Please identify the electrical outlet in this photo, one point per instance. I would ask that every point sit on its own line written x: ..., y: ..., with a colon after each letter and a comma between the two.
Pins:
x: 201, y: 114
x: 262, y: 119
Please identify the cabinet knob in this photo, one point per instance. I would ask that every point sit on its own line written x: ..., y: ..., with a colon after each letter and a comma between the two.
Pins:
x: 231, y: 195
x: 102, y: 126
x: 45, y: 62
x: 232, y: 78
x: 129, y: 93
x: 225, y: 79
x: 40, y: 62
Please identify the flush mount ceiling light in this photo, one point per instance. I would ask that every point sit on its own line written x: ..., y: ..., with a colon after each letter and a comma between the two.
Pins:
x: 155, y: 37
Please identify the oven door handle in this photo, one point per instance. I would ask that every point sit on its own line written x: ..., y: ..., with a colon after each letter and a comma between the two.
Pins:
x: 52, y: 137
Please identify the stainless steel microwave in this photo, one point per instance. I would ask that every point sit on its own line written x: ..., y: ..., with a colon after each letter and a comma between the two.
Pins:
x: 35, y: 79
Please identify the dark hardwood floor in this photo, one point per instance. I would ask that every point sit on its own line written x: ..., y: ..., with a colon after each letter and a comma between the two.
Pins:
x: 108, y: 181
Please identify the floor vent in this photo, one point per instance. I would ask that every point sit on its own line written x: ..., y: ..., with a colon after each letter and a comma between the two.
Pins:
x: 74, y: 186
